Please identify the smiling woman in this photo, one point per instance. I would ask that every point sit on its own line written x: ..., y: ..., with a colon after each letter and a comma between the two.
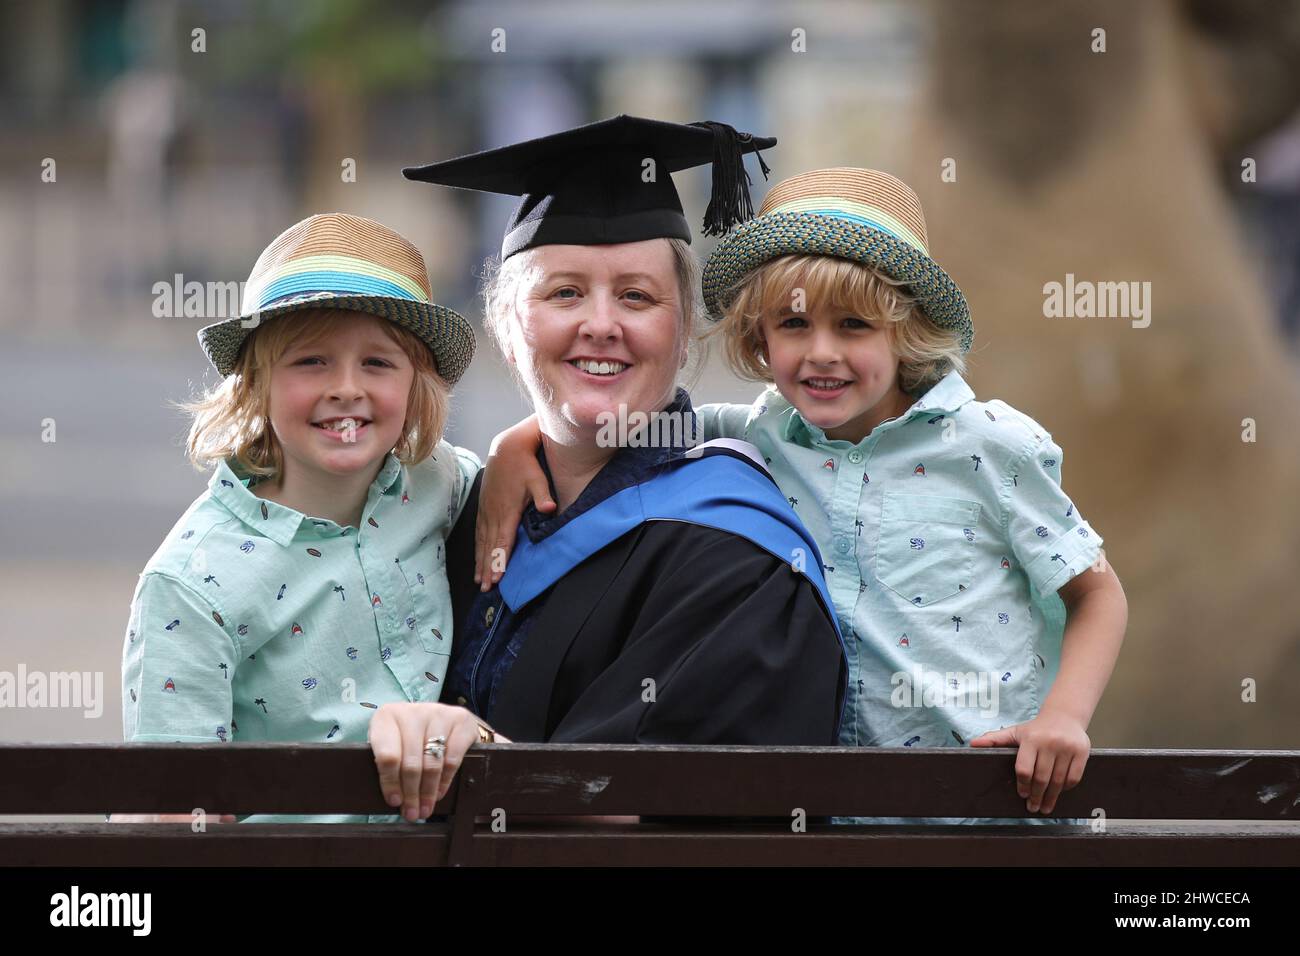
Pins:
x: 505, y: 280
x: 596, y: 328
x: 672, y: 597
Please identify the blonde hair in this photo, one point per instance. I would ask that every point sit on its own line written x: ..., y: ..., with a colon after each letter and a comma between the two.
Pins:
x: 231, y: 421
x: 926, y: 352
x: 501, y: 280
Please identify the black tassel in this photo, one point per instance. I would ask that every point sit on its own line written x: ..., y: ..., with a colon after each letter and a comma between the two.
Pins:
x: 729, y: 199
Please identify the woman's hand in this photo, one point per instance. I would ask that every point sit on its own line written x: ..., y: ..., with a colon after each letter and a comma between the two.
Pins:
x: 510, y: 478
x: 408, y: 776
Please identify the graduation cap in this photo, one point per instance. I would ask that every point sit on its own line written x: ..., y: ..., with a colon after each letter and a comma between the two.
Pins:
x: 608, y: 182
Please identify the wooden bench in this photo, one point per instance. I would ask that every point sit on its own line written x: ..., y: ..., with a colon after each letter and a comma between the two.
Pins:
x: 1144, y: 804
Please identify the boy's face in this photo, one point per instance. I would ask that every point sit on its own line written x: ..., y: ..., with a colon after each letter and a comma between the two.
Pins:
x: 837, y: 368
x: 357, y: 371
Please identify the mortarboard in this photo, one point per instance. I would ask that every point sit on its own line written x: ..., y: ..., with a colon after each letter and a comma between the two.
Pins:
x: 607, y: 182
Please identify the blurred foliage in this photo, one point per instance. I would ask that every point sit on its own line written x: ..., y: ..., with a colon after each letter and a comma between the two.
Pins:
x: 373, y: 44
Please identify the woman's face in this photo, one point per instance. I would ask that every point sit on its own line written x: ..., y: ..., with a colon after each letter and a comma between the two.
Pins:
x: 596, y: 327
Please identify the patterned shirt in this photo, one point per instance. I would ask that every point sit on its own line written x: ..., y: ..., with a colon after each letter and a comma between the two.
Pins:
x: 945, y: 535
x: 255, y: 622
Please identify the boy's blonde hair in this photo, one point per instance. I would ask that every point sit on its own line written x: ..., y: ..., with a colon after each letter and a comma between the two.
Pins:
x: 231, y: 420
x: 926, y: 352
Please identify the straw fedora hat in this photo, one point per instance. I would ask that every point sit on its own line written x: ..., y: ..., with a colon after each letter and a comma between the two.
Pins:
x: 337, y: 261
x: 859, y: 214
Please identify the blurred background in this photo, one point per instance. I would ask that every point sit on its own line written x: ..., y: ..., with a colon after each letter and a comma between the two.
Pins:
x: 1171, y: 157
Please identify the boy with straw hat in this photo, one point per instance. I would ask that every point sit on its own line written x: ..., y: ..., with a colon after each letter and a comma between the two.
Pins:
x: 955, y: 559
x: 314, y: 561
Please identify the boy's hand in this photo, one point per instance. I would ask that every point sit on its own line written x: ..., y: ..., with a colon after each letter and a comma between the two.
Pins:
x: 1053, y: 751
x: 510, y: 478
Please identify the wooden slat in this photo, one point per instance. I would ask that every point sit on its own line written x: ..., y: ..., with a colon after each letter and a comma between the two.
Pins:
x: 176, y: 778
x: 607, y: 779
x: 736, y: 781
x: 321, y: 845
x: 173, y: 844
x: 894, y: 847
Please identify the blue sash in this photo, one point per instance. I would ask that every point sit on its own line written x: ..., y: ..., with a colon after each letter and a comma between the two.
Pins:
x: 718, y: 490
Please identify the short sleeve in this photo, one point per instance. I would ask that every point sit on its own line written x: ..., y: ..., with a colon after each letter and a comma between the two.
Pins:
x: 723, y: 421
x: 1048, y: 536
x: 178, y: 662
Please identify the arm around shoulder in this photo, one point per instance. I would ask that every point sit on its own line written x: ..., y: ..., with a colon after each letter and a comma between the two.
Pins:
x: 721, y: 420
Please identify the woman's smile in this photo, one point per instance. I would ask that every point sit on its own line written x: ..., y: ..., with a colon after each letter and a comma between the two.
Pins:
x: 596, y: 370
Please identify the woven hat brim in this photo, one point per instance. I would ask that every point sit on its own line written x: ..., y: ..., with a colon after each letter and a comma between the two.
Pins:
x: 446, y: 332
x: 773, y: 235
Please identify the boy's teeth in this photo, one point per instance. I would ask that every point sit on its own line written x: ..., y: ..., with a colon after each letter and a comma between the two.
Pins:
x: 826, y: 382
x: 600, y: 368
x: 342, y: 425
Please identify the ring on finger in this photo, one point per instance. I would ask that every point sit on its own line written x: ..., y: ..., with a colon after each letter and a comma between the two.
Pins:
x: 435, y: 747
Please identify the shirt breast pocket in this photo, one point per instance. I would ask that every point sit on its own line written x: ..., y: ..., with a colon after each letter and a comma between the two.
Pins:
x: 430, y: 602
x: 926, y: 549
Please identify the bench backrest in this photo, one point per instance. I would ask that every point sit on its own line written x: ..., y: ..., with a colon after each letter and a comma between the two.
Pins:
x: 781, y: 785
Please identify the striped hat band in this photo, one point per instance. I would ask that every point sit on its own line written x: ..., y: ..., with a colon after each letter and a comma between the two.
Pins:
x: 864, y: 196
x: 335, y: 261
x: 340, y: 254
x: 338, y: 274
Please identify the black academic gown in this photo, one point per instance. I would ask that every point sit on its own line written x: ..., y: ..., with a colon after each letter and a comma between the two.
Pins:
x: 739, y: 646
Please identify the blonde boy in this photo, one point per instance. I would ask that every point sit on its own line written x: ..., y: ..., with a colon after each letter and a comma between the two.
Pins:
x: 974, y: 599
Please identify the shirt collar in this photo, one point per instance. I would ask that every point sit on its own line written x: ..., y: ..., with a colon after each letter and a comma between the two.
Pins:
x: 281, y: 523
x: 947, y: 395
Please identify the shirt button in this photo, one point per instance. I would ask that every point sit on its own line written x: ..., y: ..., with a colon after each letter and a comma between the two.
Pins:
x: 461, y: 701
x: 855, y: 456
x: 842, y: 545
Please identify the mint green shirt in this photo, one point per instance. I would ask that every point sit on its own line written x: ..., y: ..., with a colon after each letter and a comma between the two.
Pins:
x: 255, y: 622
x: 945, y: 534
